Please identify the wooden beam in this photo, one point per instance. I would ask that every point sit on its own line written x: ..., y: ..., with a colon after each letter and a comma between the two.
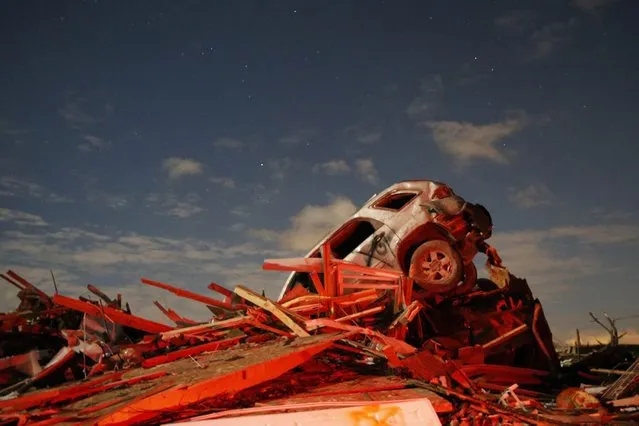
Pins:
x: 274, y: 308
x: 296, y: 264
x: 330, y: 286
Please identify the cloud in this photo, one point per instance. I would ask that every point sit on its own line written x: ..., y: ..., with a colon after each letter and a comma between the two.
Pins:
x: 82, y: 111
x: 365, y: 170
x: 516, y: 21
x: 240, y: 211
x: 260, y: 194
x: 223, y: 182
x: 309, y: 226
x: 369, y: 137
x: 177, y: 167
x: 428, y: 102
x: 299, y: 137
x: 174, y: 205
x: 93, y: 143
x: 467, y: 142
x: 332, y: 168
x: 546, y: 40
x: 533, y: 195
x: 592, y: 5
x: 364, y: 135
x: 612, y: 214
x: 599, y: 234
x: 555, y: 259
x: 228, y: 143
x: 279, y: 167
x: 11, y: 186
x: 116, y: 261
x: 21, y: 218
x: 8, y: 129
x: 112, y: 201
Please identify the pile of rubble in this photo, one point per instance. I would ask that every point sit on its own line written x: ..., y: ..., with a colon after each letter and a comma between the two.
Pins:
x: 360, y: 347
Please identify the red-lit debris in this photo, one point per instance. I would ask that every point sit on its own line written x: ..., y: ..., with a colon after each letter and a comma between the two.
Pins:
x: 359, y: 340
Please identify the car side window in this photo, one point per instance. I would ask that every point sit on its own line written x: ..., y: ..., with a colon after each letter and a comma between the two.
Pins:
x: 395, y: 200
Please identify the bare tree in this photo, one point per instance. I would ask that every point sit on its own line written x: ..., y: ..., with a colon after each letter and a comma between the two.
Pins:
x: 611, y: 328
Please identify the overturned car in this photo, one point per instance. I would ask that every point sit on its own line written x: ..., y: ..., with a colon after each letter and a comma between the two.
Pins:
x: 420, y: 227
x: 425, y: 232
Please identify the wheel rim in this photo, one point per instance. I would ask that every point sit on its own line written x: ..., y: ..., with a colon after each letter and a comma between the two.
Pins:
x: 437, y: 267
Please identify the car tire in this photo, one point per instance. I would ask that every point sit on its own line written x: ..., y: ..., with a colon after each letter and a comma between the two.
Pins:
x: 436, y: 266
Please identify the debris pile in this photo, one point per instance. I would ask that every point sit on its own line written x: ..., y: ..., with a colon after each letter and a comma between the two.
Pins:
x: 359, y: 345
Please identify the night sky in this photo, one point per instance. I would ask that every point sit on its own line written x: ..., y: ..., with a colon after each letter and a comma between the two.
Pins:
x: 188, y: 140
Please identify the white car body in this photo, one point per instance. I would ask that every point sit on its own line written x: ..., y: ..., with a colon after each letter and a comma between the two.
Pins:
x: 376, y: 235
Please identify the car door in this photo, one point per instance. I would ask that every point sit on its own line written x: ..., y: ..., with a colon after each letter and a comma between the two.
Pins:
x: 377, y: 251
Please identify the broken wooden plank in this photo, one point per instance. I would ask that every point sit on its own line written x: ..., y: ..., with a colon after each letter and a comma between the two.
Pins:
x: 203, y: 328
x: 400, y: 346
x: 43, y: 296
x: 277, y: 310
x: 505, y: 337
x: 115, y: 315
x: 173, y: 316
x: 319, y: 287
x: 330, y: 286
x: 189, y: 294
x: 259, y: 365
x: 296, y: 264
x: 190, y: 351
x: 360, y: 314
x: 220, y: 289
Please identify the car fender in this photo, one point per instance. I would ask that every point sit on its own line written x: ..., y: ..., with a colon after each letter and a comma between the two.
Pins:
x: 426, y: 232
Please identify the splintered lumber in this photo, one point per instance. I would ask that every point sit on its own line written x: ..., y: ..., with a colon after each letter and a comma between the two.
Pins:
x: 330, y: 286
x: 12, y: 282
x: 357, y: 315
x: 114, y: 315
x: 173, y: 316
x: 198, y: 385
x: 408, y: 314
x: 319, y: 287
x: 220, y: 289
x: 399, y: 346
x: 272, y: 307
x: 189, y: 294
x: 93, y: 289
x: 505, y: 337
x: 190, y: 351
x: 296, y: 292
x: 345, y: 300
x: 43, y: 296
x: 205, y: 328
x: 42, y: 397
x: 360, y: 389
x: 298, y: 264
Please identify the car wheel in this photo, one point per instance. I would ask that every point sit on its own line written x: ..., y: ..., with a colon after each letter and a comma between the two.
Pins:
x: 436, y: 266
